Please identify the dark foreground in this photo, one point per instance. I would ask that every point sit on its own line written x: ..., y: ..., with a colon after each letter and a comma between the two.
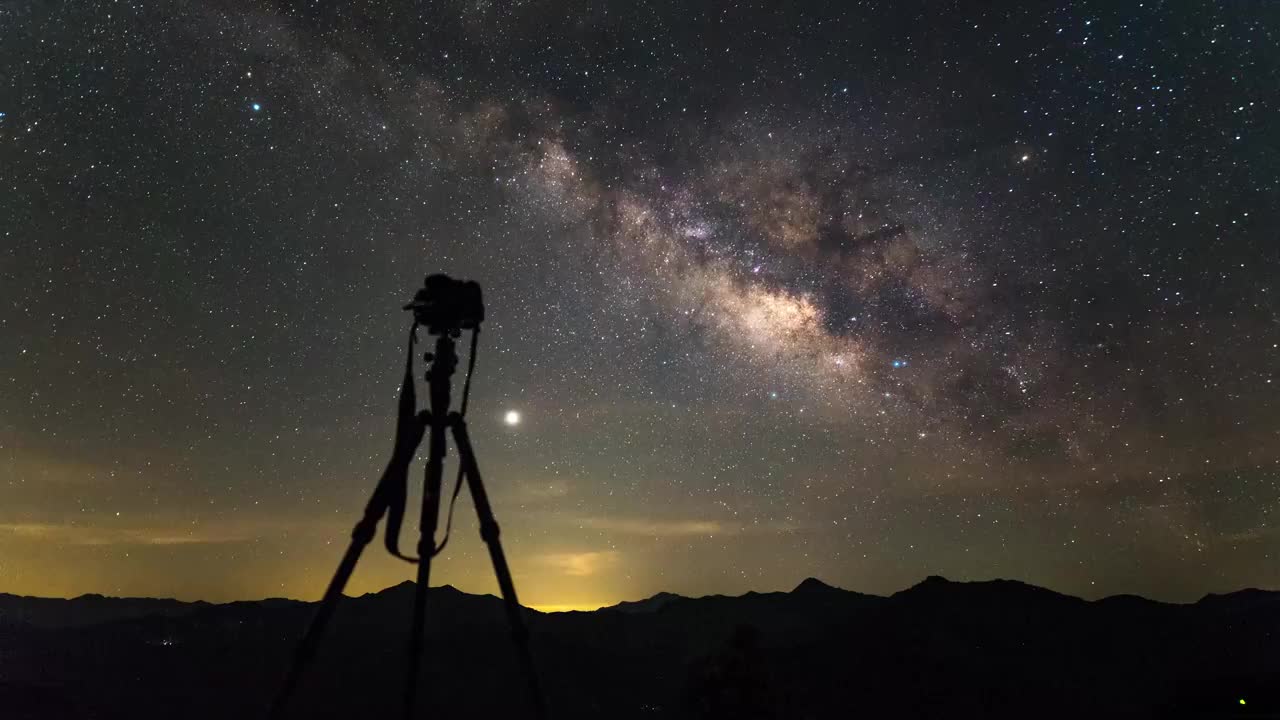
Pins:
x: 993, y: 649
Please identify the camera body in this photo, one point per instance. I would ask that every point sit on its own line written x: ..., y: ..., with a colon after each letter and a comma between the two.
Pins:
x: 445, y: 305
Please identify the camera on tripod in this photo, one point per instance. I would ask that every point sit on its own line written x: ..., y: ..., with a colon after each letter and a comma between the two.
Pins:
x: 444, y: 305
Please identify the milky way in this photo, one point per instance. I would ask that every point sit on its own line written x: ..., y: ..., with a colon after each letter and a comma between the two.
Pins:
x: 861, y: 292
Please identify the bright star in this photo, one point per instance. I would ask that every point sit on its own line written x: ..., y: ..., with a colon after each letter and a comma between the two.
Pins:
x: 512, y: 418
x: 256, y: 107
x: 899, y: 363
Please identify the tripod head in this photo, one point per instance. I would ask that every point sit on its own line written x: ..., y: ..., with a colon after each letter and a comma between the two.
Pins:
x: 446, y: 306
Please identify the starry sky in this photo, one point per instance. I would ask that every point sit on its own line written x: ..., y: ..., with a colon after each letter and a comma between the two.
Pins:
x: 865, y: 292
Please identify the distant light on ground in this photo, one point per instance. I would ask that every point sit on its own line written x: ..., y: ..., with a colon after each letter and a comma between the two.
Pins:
x: 512, y: 418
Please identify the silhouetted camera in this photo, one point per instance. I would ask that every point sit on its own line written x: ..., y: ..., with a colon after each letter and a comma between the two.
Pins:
x: 447, y: 305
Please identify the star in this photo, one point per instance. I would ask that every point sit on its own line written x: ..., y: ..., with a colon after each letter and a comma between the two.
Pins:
x: 511, y: 418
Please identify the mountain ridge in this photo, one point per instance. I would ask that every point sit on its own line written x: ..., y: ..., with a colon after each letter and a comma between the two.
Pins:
x: 991, y: 648
x: 56, y: 612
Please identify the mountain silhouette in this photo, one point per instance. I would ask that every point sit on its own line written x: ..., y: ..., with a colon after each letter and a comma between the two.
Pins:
x: 996, y: 648
x: 814, y: 585
x: 649, y: 604
x: 85, y: 610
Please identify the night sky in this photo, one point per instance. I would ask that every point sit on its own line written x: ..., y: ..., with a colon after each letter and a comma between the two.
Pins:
x: 867, y: 292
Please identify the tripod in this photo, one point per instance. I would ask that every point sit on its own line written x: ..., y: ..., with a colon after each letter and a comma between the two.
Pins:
x: 389, y: 495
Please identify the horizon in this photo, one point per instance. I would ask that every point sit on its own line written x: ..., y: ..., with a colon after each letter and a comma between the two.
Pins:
x: 846, y: 291
x: 589, y: 607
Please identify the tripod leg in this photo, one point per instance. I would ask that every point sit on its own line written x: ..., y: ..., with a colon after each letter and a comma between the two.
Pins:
x: 489, y: 531
x: 389, y: 494
x: 426, y: 548
x: 364, y: 532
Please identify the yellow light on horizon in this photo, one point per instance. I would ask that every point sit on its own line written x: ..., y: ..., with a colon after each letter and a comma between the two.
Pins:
x: 576, y: 607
